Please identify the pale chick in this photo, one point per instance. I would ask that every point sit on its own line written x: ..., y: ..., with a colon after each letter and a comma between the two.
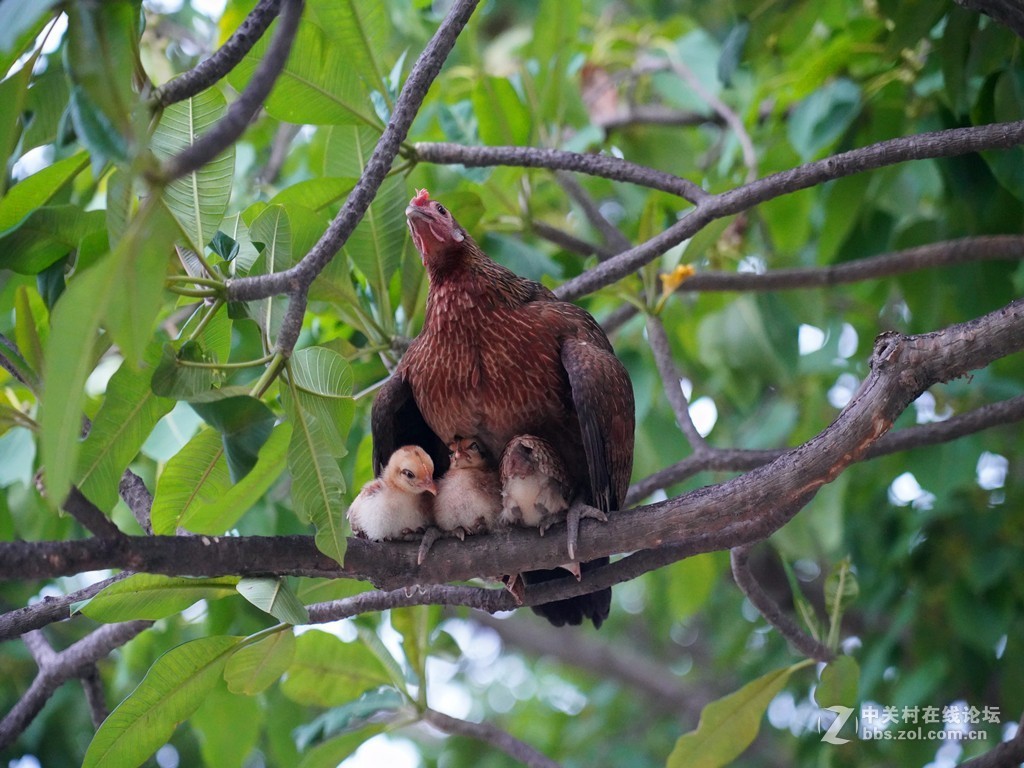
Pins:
x: 399, y: 503
x: 469, y: 494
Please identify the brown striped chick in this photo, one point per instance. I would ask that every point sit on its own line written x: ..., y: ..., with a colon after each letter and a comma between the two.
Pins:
x: 535, y: 491
x: 468, y: 496
x: 399, y: 503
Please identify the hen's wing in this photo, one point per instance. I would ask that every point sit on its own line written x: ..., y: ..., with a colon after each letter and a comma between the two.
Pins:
x: 603, y: 396
x: 396, y: 421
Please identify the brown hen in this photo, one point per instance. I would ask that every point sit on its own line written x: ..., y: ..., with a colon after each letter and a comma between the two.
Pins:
x: 501, y: 356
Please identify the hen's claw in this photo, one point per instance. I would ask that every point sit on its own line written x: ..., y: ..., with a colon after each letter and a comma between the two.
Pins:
x: 515, y: 586
x: 577, y: 512
x: 432, y: 534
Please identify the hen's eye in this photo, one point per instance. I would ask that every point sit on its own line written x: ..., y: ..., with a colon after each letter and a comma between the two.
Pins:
x: 440, y: 209
x: 474, y: 447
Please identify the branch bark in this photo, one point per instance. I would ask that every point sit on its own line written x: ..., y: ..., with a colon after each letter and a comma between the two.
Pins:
x: 490, y: 734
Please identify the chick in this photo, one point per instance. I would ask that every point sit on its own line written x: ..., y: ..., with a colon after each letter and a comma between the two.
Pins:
x: 535, y: 486
x: 469, y: 495
x: 399, y: 503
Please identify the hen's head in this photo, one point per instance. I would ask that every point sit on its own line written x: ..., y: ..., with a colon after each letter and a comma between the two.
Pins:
x: 410, y: 470
x: 434, y: 230
x: 466, y: 453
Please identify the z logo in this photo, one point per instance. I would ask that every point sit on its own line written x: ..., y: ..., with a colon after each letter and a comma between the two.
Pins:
x: 832, y: 734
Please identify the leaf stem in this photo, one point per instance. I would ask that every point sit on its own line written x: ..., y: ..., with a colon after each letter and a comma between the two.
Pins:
x: 277, y: 362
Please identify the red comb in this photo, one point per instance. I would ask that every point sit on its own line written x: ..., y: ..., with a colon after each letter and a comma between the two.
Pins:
x: 422, y: 196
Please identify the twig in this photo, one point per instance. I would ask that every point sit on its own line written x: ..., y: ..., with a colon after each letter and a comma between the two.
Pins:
x: 569, y: 242
x: 770, y: 610
x: 89, y: 515
x: 286, y: 133
x: 490, y: 734
x: 670, y: 381
x: 92, y: 686
x: 1006, y: 12
x: 949, y: 143
x: 739, y: 460
x: 227, y: 130
x: 56, y: 668
x: 208, y: 72
x: 48, y: 610
x: 138, y: 498
x: 605, y: 166
x: 614, y: 240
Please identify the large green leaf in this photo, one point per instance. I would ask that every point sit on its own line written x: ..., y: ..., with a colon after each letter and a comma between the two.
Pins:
x: 199, y: 199
x: 129, y: 413
x: 102, y: 57
x: 37, y: 190
x: 151, y: 596
x: 20, y: 22
x: 256, y: 667
x: 502, y: 116
x: 196, y: 477
x: 359, y: 27
x: 321, y: 83
x: 327, y: 672
x: 323, y: 387
x: 13, y: 95
x: 317, y: 482
x: 47, y: 235
x: 245, y: 424
x: 122, y: 290
x: 375, y: 246
x: 172, y: 690
x: 228, y: 727
x: 728, y: 725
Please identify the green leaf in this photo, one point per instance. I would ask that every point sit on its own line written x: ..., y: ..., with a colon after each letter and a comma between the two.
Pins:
x: 199, y: 199
x: 276, y: 598
x: 152, y: 597
x: 841, y: 589
x: 359, y: 27
x: 129, y: 413
x: 320, y: 83
x: 38, y: 189
x: 323, y: 387
x: 332, y: 752
x: 183, y: 382
x: 31, y: 330
x: 228, y: 727
x: 196, y: 477
x: 245, y: 424
x: 106, y: 144
x: 502, y: 117
x: 317, y: 482
x: 315, y: 194
x: 821, y: 119
x: 13, y: 95
x: 375, y: 246
x: 254, y: 668
x: 377, y: 704
x: 172, y: 690
x: 839, y: 684
x: 327, y: 672
x: 47, y: 235
x: 101, y: 57
x: 20, y: 22
x: 728, y: 725
x: 732, y: 51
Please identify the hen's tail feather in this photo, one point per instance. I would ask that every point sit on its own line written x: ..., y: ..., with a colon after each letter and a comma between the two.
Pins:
x: 573, y: 610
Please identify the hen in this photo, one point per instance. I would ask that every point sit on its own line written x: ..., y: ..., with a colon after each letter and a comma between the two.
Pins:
x: 398, y: 504
x: 501, y: 356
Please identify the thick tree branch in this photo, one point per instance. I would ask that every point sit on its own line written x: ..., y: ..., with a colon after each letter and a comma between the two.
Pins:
x: 138, y: 498
x: 57, y: 668
x: 208, y: 72
x: 490, y: 734
x: 90, y: 516
x: 48, y: 610
x: 739, y: 511
x: 1008, y: 12
x: 229, y: 128
x: 771, y: 611
x: 1009, y: 754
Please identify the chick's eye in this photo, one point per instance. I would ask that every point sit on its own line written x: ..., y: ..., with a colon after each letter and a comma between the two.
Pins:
x: 474, y: 447
x: 408, y: 474
x: 440, y: 209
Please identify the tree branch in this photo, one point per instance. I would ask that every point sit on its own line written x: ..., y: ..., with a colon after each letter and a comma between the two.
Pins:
x: 490, y: 734
x: 227, y: 130
x: 605, y: 166
x: 56, y: 668
x: 771, y: 611
x: 739, y: 511
x: 1009, y: 754
x: 48, y: 610
x: 671, y: 383
x: 1008, y: 12
x: 208, y: 72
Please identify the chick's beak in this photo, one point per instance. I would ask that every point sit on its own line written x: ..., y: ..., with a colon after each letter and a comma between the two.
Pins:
x: 429, y: 486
